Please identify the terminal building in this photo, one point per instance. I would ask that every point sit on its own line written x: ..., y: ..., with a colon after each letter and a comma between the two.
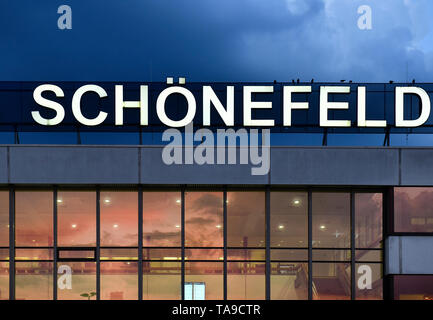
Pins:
x: 94, y: 212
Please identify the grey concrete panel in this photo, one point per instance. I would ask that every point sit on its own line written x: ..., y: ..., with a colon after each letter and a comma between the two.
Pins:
x: 73, y: 165
x: 155, y: 171
x: 417, y: 255
x: 289, y: 166
x: 409, y: 255
x: 392, y: 255
x: 417, y: 167
x: 334, y: 166
x: 4, y: 165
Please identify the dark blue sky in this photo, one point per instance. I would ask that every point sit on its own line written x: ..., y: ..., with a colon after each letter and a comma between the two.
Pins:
x: 216, y: 40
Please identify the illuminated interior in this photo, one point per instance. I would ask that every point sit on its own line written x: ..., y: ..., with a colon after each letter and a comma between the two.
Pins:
x: 199, y: 244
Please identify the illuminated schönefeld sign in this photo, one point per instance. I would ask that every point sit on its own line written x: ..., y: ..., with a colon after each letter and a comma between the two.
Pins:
x: 156, y: 106
x: 225, y: 108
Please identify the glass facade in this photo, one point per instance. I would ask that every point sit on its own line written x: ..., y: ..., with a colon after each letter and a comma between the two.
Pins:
x: 280, y: 244
x: 76, y: 218
x: 413, y: 287
x: 413, y: 209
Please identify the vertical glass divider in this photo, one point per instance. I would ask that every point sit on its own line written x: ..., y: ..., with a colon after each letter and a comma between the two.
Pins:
x: 352, y: 245
x: 182, y: 233
x: 11, y: 243
x: 268, y: 242
x: 140, y: 243
x: 387, y: 229
x: 310, y: 244
x: 225, y: 240
x: 55, y: 243
x: 98, y: 244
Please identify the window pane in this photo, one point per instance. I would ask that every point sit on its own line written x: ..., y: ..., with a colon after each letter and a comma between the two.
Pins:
x: 161, y: 219
x: 245, y: 219
x: 77, y: 254
x: 4, y: 254
x: 204, y: 219
x: 368, y: 255
x: 413, y: 209
x: 4, y: 218
x: 34, y: 218
x: 245, y: 281
x: 76, y: 218
x: 4, y: 280
x: 204, y: 254
x: 119, y: 254
x: 368, y: 220
x: 161, y: 254
x: 161, y: 280
x: 34, y: 280
x: 289, y: 281
x: 210, y: 273
x: 413, y: 287
x: 246, y: 254
x: 331, y: 281
x: 119, y: 218
x: 291, y: 255
x: 331, y: 220
x: 369, y: 283
x: 34, y: 254
x: 119, y: 280
x: 76, y: 281
x: 331, y: 255
x: 289, y: 219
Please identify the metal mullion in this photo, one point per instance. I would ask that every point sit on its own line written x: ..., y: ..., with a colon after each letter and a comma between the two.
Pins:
x: 387, y: 229
x: 11, y: 243
x: 225, y: 241
x: 207, y: 260
x: 332, y: 261
x: 352, y: 245
x: 268, y: 242
x: 40, y: 260
x: 98, y: 244
x: 140, y: 242
x: 310, y: 245
x: 199, y: 248
x: 55, y: 243
x: 182, y: 232
x: 286, y: 261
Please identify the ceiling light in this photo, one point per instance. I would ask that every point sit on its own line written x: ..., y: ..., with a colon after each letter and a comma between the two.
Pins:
x: 322, y: 227
x: 74, y: 226
x: 115, y: 225
x: 280, y: 227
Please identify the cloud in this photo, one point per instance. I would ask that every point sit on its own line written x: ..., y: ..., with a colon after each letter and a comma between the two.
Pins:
x: 200, y: 221
x: 208, y: 204
x: 226, y: 40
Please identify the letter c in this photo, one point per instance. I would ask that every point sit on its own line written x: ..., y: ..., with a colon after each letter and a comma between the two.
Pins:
x: 76, y: 105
